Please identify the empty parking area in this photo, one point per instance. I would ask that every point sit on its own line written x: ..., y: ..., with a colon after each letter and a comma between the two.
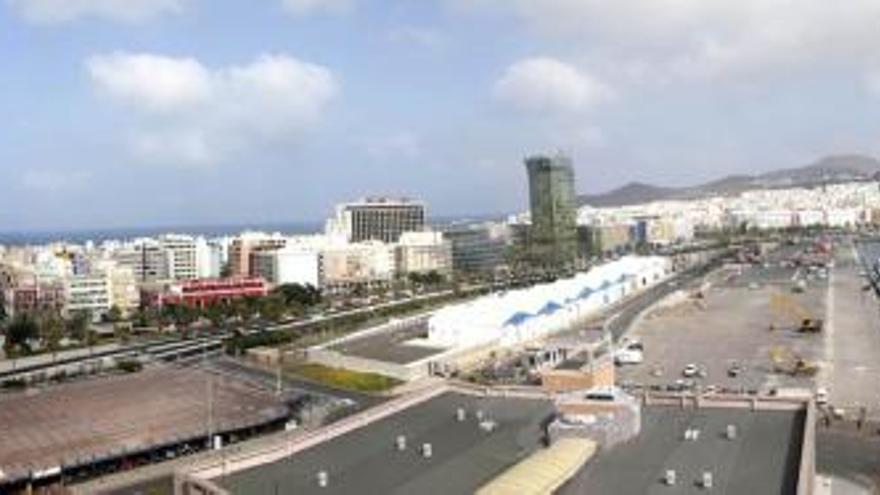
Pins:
x: 79, y: 423
x: 390, y: 345
x: 731, y: 324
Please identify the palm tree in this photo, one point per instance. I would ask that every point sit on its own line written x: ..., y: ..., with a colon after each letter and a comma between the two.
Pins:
x: 91, y: 339
x: 53, y: 332
x: 122, y: 332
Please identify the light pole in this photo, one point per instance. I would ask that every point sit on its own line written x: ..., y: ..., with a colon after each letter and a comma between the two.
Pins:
x: 209, y: 393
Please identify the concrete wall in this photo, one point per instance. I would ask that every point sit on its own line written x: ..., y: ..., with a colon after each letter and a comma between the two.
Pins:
x: 554, y: 381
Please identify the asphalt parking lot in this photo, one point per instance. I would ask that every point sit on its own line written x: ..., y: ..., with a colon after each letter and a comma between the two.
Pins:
x: 730, y: 324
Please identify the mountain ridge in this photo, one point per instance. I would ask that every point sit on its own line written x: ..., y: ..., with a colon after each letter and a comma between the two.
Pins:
x: 827, y: 170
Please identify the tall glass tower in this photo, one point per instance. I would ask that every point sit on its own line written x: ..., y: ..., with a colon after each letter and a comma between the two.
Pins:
x: 553, y: 234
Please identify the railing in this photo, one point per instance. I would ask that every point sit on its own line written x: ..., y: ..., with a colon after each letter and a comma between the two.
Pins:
x: 291, y: 443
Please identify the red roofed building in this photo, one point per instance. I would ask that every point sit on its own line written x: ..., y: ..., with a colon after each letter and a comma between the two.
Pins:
x: 205, y: 292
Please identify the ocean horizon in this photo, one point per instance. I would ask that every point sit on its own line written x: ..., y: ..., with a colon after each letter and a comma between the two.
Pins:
x: 12, y: 238
x: 79, y: 236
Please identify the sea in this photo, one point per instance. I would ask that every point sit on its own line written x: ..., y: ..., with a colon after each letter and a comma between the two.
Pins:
x: 22, y: 238
x: 34, y: 238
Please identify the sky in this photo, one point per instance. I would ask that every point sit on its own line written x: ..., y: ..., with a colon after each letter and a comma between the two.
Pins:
x: 137, y: 113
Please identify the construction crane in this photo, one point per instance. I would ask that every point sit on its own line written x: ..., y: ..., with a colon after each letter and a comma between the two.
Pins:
x: 797, y: 314
x: 786, y: 361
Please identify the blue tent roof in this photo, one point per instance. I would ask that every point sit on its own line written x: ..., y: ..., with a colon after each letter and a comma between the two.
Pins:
x: 518, y: 318
x: 549, y: 308
x: 586, y: 293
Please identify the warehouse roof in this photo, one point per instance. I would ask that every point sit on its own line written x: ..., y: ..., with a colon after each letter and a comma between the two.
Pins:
x: 763, y: 458
x: 464, y: 456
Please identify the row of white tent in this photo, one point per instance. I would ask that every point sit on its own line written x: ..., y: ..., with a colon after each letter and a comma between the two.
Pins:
x: 517, y: 316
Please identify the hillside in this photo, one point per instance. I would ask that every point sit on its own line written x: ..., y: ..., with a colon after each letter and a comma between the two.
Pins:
x: 828, y: 170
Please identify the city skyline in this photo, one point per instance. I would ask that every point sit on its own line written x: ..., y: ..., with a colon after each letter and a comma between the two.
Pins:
x: 155, y: 115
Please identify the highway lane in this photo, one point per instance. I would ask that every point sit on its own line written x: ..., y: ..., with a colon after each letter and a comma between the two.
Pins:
x: 11, y: 369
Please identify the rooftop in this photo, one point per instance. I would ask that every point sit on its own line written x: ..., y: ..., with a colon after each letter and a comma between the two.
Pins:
x: 464, y: 457
x: 763, y: 458
x: 78, y: 423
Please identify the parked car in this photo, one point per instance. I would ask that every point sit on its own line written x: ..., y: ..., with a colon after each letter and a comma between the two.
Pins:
x: 690, y: 371
x: 734, y: 370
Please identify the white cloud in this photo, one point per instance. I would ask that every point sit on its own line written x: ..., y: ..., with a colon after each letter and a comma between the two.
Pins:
x: 155, y: 82
x: 193, y: 114
x: 53, y: 180
x: 60, y: 11
x: 546, y: 84
x: 308, y: 7
x: 421, y: 36
x: 698, y: 39
x: 403, y: 144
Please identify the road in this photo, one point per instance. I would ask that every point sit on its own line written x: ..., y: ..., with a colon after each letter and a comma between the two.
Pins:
x: 620, y: 322
x: 10, y: 369
x: 852, y: 339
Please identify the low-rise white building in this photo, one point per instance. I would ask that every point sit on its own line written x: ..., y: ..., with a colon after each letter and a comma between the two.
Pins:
x: 518, y: 316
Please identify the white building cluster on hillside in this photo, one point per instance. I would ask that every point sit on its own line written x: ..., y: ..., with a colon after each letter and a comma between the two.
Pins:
x: 665, y: 222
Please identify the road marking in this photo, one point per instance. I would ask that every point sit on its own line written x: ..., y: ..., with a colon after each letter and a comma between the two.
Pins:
x: 825, y: 375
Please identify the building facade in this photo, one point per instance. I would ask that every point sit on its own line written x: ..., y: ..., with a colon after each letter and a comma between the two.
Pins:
x: 364, y: 263
x: 478, y: 248
x: 242, y: 248
x: 423, y: 252
x: 146, y: 258
x: 183, y: 254
x: 288, y: 266
x: 378, y: 219
x: 204, y: 293
x: 552, y: 201
x: 90, y: 294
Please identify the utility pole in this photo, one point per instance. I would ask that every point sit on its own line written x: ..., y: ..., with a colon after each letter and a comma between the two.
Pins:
x: 278, y: 387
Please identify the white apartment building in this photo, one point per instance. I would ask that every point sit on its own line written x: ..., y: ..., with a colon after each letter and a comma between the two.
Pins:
x: 88, y: 293
x: 183, y: 254
x: 288, y: 266
x: 212, y: 255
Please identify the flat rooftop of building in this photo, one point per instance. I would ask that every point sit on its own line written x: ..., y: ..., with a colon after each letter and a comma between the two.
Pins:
x: 391, y: 346
x: 764, y: 458
x: 367, y: 461
x: 76, y: 423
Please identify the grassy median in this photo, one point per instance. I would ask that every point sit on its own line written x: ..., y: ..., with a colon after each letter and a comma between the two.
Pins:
x: 343, y: 378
